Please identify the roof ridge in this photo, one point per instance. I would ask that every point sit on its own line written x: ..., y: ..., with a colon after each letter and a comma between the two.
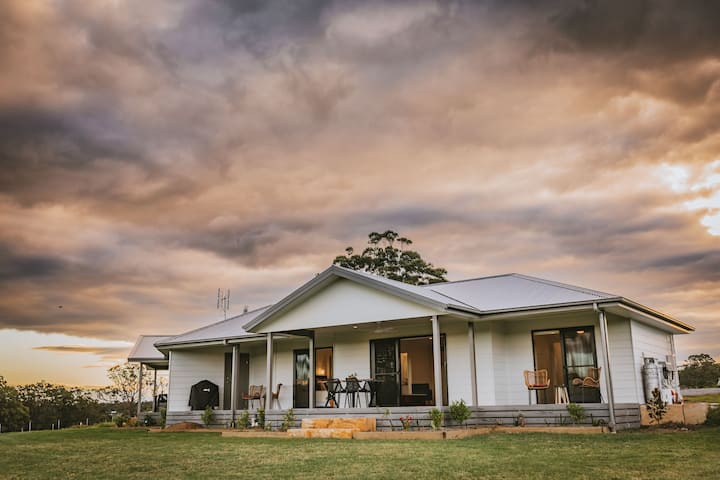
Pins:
x: 455, y: 299
x: 575, y: 288
x: 218, y: 322
x: 467, y: 280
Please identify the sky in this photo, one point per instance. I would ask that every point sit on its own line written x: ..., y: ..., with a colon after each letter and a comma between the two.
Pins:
x: 153, y: 152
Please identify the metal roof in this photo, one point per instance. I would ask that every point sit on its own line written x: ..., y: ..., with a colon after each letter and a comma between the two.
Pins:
x: 144, y: 349
x: 477, y: 297
x: 222, y: 330
x: 514, y: 291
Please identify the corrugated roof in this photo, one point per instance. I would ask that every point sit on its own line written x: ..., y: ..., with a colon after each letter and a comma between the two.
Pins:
x: 224, y: 329
x: 144, y: 349
x: 514, y: 291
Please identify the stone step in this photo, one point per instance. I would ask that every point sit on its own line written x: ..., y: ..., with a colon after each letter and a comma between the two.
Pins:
x: 321, y: 433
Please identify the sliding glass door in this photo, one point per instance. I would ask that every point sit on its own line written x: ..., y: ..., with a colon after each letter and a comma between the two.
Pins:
x: 566, y: 354
x: 404, y: 369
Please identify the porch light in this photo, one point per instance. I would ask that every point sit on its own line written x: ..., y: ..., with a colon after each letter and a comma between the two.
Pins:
x: 355, y: 326
x: 580, y: 332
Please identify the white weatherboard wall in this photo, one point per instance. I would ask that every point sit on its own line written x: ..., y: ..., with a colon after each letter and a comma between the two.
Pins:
x: 625, y: 376
x: 190, y: 367
x: 345, y: 303
x: 457, y: 352
x: 648, y: 342
x: 485, y: 363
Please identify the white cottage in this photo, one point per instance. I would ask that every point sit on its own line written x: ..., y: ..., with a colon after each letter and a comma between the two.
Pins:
x: 414, y: 348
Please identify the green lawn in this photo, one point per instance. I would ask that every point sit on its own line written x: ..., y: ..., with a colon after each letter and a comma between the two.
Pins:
x: 112, y: 453
x: 709, y: 398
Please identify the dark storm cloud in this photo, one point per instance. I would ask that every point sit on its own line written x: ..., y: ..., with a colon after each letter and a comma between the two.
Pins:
x: 45, y: 149
x: 660, y: 29
x: 16, y: 267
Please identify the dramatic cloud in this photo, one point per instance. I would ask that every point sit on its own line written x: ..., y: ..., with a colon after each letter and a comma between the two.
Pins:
x: 153, y: 152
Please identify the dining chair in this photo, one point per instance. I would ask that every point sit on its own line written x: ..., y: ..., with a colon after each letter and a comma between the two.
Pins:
x: 352, y: 391
x: 334, y: 389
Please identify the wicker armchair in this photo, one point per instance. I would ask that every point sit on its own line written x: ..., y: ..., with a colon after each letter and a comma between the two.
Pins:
x: 536, y: 380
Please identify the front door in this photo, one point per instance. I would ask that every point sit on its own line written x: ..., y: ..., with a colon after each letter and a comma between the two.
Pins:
x: 386, y: 370
x: 227, y: 384
x: 243, y: 379
x: 301, y: 379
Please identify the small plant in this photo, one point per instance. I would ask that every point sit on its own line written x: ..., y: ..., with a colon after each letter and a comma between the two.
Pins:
x: 208, y: 416
x: 288, y: 420
x: 598, y: 422
x: 577, y: 412
x: 459, y: 412
x: 148, y: 421
x: 261, y: 417
x: 713, y: 417
x: 406, y: 422
x: 244, y: 420
x: 656, y: 407
x: 268, y: 427
x: 519, y: 420
x: 163, y: 416
x: 436, y: 418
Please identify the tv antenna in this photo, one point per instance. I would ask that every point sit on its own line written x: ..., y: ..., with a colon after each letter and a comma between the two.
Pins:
x: 223, y: 301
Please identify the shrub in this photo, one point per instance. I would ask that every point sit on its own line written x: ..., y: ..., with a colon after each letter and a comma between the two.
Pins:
x: 436, y: 418
x: 208, y: 416
x: 244, y: 420
x: 120, y: 420
x: 261, y: 417
x: 163, y: 416
x: 459, y: 412
x: 288, y: 420
x: 656, y: 407
x: 148, y: 421
x: 713, y: 417
x: 577, y: 412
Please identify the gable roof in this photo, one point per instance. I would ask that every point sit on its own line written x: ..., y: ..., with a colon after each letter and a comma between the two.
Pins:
x: 413, y: 293
x: 144, y: 349
x: 231, y: 328
x: 514, y: 291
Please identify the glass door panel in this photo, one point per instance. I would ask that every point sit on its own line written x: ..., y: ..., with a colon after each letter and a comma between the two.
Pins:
x: 301, y: 379
x: 548, y: 356
x: 386, y: 370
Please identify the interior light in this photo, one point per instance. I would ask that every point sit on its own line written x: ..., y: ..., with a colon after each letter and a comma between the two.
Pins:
x: 355, y: 326
x: 580, y: 332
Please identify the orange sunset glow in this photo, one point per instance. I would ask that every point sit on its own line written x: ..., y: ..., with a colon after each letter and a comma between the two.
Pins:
x: 153, y: 152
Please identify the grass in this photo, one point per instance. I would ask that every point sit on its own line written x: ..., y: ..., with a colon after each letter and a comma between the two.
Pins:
x: 708, y: 397
x: 110, y: 453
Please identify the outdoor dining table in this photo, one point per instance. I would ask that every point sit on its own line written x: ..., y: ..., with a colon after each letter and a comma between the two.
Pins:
x: 367, y: 385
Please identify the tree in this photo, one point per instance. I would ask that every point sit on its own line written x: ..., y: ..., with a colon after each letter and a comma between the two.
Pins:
x: 48, y: 403
x: 124, y: 388
x: 382, y: 257
x: 700, y: 371
x: 13, y: 414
